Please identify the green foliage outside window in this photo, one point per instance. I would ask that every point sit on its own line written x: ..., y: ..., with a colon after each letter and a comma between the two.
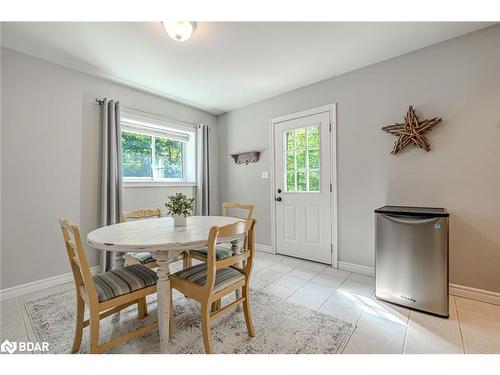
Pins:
x: 168, y: 158
x: 290, y: 140
x: 300, y: 139
x: 301, y: 159
x: 137, y: 156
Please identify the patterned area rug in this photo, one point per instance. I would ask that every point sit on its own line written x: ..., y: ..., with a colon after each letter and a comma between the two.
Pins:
x: 280, y: 327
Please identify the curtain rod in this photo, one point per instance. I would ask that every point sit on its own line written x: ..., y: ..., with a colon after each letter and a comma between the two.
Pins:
x: 101, y: 101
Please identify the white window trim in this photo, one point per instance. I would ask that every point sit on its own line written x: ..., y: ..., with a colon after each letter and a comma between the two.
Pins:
x: 131, y: 183
x: 156, y: 123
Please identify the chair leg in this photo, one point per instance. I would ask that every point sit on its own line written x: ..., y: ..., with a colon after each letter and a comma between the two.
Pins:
x: 171, y: 318
x: 205, y: 327
x: 246, y: 311
x: 237, y: 295
x: 80, y: 309
x: 94, y: 332
x: 142, y: 308
x: 187, y: 261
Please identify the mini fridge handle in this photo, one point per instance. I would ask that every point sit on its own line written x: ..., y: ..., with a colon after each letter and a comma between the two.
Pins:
x: 410, y: 219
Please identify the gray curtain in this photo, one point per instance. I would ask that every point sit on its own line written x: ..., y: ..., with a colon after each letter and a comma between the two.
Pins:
x: 202, y: 171
x: 111, y: 175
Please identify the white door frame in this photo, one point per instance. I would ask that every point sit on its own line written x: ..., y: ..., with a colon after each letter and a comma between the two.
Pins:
x: 332, y: 109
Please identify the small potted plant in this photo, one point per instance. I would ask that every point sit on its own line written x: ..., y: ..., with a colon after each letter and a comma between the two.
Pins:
x: 180, y: 207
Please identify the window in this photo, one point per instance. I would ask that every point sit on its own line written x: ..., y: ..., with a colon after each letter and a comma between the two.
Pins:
x: 301, y: 159
x: 157, y: 152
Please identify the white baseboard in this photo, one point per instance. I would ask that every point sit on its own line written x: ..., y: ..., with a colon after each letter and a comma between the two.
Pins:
x: 35, y: 286
x: 357, y: 268
x: 475, y: 294
x: 264, y: 248
x: 455, y: 289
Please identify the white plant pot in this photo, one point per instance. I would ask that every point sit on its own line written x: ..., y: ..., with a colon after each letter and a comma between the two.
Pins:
x: 180, y: 220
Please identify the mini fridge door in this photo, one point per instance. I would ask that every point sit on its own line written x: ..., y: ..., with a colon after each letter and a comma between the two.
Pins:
x: 412, y: 261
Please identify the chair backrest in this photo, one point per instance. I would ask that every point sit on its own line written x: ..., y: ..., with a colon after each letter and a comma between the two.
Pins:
x: 239, y: 206
x: 78, y: 259
x: 247, y: 207
x: 142, y: 213
x: 237, y: 230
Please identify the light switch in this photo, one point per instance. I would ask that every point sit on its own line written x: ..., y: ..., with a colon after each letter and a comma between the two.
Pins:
x: 265, y: 175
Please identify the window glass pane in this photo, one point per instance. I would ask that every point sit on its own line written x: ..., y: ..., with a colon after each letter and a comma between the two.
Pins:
x: 313, y: 181
x: 289, y: 140
x: 313, y: 136
x: 290, y: 161
x: 290, y: 181
x: 136, y: 155
x: 168, y: 155
x: 301, y: 160
x: 300, y: 138
x: 301, y: 181
x: 313, y: 159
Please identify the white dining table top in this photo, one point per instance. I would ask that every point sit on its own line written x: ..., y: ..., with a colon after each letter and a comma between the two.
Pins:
x: 158, y: 234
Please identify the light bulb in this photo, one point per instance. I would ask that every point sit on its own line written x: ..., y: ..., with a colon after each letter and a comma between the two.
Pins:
x: 180, y: 30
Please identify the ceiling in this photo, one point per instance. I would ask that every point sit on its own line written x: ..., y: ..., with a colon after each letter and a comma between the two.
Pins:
x: 225, y: 65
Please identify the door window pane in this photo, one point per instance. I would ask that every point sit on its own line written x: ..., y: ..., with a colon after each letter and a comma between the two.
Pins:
x: 136, y: 155
x: 290, y: 161
x: 313, y: 181
x: 301, y: 159
x: 301, y: 181
x: 313, y: 136
x: 313, y: 159
x: 300, y: 138
x: 289, y: 140
x: 290, y: 181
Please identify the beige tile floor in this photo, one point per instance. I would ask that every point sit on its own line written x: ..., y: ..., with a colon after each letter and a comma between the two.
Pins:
x: 473, y: 327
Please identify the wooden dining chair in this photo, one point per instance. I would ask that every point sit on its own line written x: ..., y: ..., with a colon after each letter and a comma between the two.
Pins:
x: 223, y: 250
x: 143, y: 257
x: 209, y: 282
x: 105, y: 293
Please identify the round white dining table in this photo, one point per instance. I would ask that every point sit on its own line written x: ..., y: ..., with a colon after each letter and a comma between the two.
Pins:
x: 164, y: 241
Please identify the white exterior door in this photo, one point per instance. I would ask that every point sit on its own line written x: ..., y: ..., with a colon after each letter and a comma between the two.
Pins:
x: 303, y: 199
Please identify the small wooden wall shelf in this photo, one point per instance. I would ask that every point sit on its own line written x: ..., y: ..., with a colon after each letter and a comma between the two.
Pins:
x: 246, y: 157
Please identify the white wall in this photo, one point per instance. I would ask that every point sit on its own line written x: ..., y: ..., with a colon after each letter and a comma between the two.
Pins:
x: 458, y: 80
x: 50, y: 160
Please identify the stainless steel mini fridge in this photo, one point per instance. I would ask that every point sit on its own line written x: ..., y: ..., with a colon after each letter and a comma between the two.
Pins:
x: 411, y: 257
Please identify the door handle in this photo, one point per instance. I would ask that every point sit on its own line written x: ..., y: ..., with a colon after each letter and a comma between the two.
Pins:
x: 277, y: 199
x: 410, y: 219
x: 279, y: 191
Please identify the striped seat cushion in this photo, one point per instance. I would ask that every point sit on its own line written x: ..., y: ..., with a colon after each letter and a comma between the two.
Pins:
x: 123, y: 280
x: 143, y: 257
x: 198, y: 275
x: 222, y: 251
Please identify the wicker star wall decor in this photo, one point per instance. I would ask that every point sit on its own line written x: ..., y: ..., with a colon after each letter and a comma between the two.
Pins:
x: 411, y: 131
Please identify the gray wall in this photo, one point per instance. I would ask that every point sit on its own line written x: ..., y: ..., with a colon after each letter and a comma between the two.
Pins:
x: 137, y: 197
x: 458, y: 80
x: 0, y: 151
x: 50, y: 160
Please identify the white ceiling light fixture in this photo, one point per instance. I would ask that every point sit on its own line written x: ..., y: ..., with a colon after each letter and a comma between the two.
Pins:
x: 180, y: 30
